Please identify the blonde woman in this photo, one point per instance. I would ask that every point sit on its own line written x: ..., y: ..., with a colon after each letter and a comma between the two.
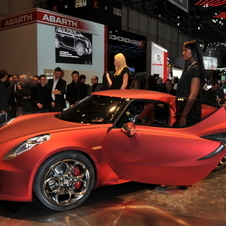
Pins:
x: 120, y: 79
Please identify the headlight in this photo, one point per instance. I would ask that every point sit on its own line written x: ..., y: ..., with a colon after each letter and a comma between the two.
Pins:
x: 26, y: 146
x: 88, y: 43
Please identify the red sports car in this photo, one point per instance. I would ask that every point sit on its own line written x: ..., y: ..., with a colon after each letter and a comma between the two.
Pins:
x: 110, y: 137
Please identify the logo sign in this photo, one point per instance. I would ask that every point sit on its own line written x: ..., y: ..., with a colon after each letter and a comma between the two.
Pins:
x: 157, y: 60
x: 46, y: 17
x: 17, y: 20
x: 127, y: 40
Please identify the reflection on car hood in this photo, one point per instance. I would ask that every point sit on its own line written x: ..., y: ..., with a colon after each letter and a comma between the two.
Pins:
x: 37, y: 123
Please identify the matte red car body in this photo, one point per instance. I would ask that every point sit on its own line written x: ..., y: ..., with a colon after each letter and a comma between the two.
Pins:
x: 23, y: 168
x: 116, y: 157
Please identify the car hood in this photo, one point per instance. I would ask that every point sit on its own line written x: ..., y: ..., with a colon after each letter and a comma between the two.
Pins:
x: 84, y: 39
x: 34, y: 124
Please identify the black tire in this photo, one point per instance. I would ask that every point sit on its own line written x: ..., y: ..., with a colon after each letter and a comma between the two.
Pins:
x: 221, y: 164
x: 64, y: 181
x: 79, y: 49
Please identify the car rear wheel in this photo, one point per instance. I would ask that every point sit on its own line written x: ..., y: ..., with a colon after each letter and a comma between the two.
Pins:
x: 79, y: 49
x: 221, y: 164
x: 64, y: 180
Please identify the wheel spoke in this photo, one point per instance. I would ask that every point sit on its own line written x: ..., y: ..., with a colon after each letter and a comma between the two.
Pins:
x: 66, y: 182
x: 52, y: 185
x: 60, y: 168
x: 64, y: 198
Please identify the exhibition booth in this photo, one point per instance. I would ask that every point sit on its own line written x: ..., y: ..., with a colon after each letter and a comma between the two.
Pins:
x: 36, y: 41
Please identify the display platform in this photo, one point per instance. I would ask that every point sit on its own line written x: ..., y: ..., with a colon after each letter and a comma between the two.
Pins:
x: 132, y: 204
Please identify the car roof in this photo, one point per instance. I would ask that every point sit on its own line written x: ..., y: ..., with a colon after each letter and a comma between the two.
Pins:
x: 136, y: 94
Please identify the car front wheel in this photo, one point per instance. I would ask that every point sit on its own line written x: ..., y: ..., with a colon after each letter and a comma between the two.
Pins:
x: 64, y: 180
x: 79, y: 49
x: 221, y: 164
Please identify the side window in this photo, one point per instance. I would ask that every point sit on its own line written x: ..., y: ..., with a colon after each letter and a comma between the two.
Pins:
x: 147, y: 113
x: 161, y: 111
x: 130, y: 114
x: 152, y: 113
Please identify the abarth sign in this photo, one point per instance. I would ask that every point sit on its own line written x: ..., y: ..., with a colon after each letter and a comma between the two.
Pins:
x: 46, y: 17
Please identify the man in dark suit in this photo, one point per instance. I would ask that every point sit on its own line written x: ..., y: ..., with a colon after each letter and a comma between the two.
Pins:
x: 23, y: 96
x: 12, y: 99
x: 215, y: 94
x: 41, y: 97
x: 58, y: 87
x: 95, y: 85
x: 76, y: 90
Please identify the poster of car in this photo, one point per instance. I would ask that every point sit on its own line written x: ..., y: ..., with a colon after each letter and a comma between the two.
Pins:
x: 73, y: 46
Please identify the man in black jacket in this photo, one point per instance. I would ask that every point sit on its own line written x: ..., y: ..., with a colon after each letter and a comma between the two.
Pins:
x: 58, y: 87
x: 215, y: 94
x: 23, y: 96
x: 3, y: 96
x: 41, y: 97
x: 75, y: 90
x: 12, y: 98
x: 95, y: 85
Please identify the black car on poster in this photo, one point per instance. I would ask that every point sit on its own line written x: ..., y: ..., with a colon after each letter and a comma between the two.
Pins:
x: 72, y: 40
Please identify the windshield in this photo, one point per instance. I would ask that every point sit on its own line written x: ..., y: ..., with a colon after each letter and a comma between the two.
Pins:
x: 94, y: 110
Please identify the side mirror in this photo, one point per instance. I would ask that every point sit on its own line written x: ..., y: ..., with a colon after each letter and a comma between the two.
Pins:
x: 129, y: 129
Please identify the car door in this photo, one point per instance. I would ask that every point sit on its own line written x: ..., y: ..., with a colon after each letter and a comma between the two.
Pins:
x: 158, y: 153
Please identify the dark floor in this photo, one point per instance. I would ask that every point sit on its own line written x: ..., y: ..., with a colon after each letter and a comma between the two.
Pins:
x: 132, y: 204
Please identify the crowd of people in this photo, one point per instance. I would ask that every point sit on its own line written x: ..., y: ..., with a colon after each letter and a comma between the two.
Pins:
x: 26, y: 94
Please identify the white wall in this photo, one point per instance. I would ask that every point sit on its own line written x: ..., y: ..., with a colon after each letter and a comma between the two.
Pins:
x: 46, y: 54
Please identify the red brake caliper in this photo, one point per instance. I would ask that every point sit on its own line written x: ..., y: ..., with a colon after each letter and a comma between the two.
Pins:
x: 77, y: 172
